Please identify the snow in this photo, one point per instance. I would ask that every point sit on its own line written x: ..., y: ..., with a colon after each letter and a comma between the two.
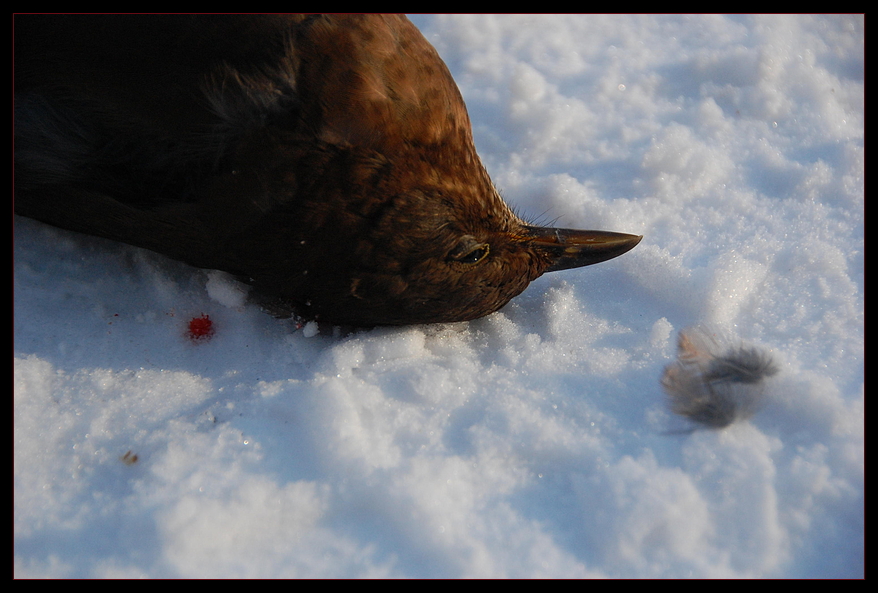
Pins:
x: 535, y: 442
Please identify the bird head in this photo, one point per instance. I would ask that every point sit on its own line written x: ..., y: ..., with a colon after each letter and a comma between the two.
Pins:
x: 396, y: 240
x: 398, y: 220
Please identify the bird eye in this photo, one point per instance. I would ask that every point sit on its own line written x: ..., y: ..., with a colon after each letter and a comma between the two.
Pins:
x: 474, y: 256
x: 469, y: 251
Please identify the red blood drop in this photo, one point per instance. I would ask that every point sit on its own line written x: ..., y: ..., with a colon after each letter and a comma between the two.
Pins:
x: 201, y: 328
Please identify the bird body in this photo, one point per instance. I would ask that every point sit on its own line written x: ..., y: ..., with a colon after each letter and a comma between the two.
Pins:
x: 326, y: 159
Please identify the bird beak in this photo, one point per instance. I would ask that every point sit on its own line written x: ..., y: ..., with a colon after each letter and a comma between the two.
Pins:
x: 569, y: 248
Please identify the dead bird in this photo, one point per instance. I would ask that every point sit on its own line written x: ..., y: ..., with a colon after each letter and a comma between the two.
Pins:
x: 327, y: 160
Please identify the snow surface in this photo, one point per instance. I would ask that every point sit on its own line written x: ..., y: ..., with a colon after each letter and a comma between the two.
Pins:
x: 531, y: 443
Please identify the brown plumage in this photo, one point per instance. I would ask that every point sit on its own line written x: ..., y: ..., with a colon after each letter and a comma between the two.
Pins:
x: 326, y: 159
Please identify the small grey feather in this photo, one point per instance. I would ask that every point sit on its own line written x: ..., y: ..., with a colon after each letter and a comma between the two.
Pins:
x: 715, y: 382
